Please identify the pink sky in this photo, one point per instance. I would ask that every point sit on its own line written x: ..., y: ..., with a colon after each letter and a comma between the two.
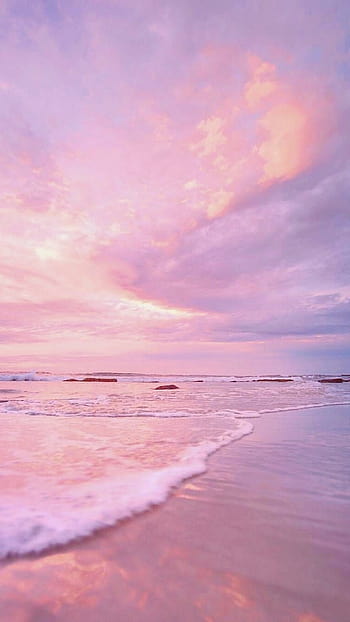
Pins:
x: 174, y: 186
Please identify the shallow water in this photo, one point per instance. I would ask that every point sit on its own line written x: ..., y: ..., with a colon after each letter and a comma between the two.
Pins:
x: 281, y: 501
x: 77, y: 457
x: 262, y: 536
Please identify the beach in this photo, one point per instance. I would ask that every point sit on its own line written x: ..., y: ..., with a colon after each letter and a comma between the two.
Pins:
x: 174, y: 311
x: 261, y: 535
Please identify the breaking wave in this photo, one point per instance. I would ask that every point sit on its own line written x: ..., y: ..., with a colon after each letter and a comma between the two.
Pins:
x: 50, y: 517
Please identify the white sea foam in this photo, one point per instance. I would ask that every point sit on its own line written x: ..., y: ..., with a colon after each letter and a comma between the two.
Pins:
x: 30, y: 376
x: 97, y: 468
x: 34, y: 376
x: 302, y: 407
x: 36, y: 521
x: 247, y: 414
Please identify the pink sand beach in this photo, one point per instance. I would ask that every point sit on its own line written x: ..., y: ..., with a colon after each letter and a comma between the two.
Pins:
x: 261, y: 536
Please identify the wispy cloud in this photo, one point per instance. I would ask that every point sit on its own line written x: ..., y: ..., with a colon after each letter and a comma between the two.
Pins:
x: 173, y: 172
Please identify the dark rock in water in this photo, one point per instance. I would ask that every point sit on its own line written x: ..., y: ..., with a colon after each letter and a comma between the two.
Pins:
x: 92, y: 380
x: 274, y: 380
x: 166, y: 386
x: 99, y: 380
x: 333, y: 380
x: 197, y: 380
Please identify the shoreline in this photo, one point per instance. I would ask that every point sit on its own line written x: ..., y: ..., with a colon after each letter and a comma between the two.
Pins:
x: 215, y: 545
x: 185, y: 469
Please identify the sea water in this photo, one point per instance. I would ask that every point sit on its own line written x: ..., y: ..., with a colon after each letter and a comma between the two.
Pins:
x: 80, y: 456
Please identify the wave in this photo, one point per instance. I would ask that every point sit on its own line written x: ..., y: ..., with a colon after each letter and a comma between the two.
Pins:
x: 30, y: 376
x: 302, y: 407
x: 41, y: 519
x: 102, y: 503
x: 43, y: 376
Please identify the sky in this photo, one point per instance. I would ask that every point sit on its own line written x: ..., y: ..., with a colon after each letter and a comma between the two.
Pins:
x: 175, y: 186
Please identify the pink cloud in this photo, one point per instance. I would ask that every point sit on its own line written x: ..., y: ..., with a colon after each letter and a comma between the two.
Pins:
x: 154, y: 155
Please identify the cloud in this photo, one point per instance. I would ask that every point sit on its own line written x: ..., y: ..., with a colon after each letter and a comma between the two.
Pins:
x: 259, y: 265
x: 189, y: 156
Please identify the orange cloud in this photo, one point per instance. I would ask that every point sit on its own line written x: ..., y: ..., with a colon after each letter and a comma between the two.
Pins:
x: 257, y: 90
x: 262, y: 84
x: 213, y: 137
x: 284, y: 151
x: 218, y: 203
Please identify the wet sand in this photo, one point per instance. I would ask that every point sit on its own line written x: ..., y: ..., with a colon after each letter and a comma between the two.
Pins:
x: 261, y: 537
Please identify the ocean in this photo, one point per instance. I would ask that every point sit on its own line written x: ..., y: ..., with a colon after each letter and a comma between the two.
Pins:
x: 80, y: 456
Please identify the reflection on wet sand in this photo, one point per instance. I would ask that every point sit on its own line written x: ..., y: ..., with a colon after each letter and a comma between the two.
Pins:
x: 230, y: 546
x: 75, y: 582
x: 51, y: 583
x: 309, y: 617
x: 103, y: 579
